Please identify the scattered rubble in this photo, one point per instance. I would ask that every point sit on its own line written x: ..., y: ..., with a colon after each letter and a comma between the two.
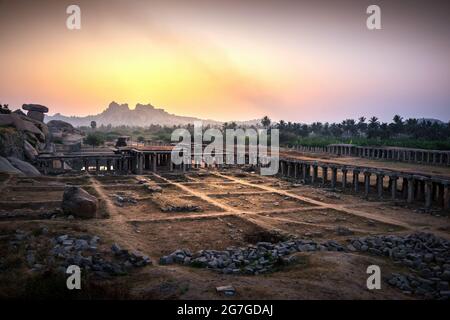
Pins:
x: 82, y: 250
x: 426, y: 256
x: 122, y: 198
x: 253, y: 259
x: 151, y: 187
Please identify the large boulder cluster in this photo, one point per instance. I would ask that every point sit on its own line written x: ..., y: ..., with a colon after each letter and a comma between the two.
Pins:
x: 253, y: 259
x: 22, y: 137
x: 426, y: 256
x: 25, y: 136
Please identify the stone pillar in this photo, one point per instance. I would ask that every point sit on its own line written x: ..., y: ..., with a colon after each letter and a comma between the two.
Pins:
x: 97, y: 165
x: 324, y: 175
x: 289, y: 169
x: 440, y: 194
x: 154, y: 160
x: 344, y: 178
x: 428, y: 194
x: 304, y: 175
x: 367, y: 184
x: 295, y: 170
x: 108, y: 165
x: 356, y: 180
x: 315, y: 173
x: 404, y: 188
x: 393, y: 187
x: 419, y: 190
x: 380, y: 186
x: 333, y: 177
x: 140, y: 160
x: 433, y: 190
x: 307, y: 172
x: 446, y: 197
x: 410, y: 198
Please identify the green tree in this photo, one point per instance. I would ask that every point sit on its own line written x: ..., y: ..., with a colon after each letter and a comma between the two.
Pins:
x: 141, y: 139
x: 93, y: 125
x: 94, y: 140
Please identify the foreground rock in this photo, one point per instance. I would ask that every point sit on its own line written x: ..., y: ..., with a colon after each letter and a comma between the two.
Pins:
x: 79, y: 203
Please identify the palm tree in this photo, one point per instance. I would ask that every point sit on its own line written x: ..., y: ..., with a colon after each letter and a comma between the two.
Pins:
x: 265, y: 121
x: 373, y: 127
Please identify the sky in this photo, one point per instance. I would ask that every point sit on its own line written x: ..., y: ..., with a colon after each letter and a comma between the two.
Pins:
x: 300, y: 61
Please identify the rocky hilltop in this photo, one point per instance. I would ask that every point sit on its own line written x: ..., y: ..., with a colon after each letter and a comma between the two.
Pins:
x: 120, y: 114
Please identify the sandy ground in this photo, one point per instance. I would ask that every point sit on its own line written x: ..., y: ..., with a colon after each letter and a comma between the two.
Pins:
x: 237, y: 208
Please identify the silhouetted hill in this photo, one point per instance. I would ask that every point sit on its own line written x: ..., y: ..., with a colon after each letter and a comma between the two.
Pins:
x: 119, y: 114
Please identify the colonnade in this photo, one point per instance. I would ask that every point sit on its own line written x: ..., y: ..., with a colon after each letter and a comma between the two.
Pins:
x: 382, y: 184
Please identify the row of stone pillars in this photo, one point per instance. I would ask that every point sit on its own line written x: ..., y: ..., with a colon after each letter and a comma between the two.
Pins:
x: 405, y: 155
x: 59, y: 164
x: 432, y: 157
x: 388, y: 184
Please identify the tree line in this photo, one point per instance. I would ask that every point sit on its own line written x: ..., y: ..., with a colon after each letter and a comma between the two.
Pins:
x: 411, y: 132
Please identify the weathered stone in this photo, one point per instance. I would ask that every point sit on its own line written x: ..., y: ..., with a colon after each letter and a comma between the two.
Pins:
x: 29, y: 151
x: 165, y: 260
x: 35, y: 107
x: 343, y: 231
x: 226, y: 290
x: 6, y: 166
x: 25, y: 167
x: 79, y: 203
x: 36, y: 115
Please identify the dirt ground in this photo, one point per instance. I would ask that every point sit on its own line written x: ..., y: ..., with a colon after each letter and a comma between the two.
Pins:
x: 234, y: 208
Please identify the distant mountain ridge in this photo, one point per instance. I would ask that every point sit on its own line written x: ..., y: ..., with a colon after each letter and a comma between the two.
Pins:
x: 120, y: 114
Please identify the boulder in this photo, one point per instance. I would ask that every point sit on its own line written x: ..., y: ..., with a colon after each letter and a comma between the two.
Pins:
x: 30, y: 152
x: 36, y: 115
x: 79, y: 203
x: 6, y: 166
x: 24, y: 167
x: 35, y: 107
x: 59, y: 125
